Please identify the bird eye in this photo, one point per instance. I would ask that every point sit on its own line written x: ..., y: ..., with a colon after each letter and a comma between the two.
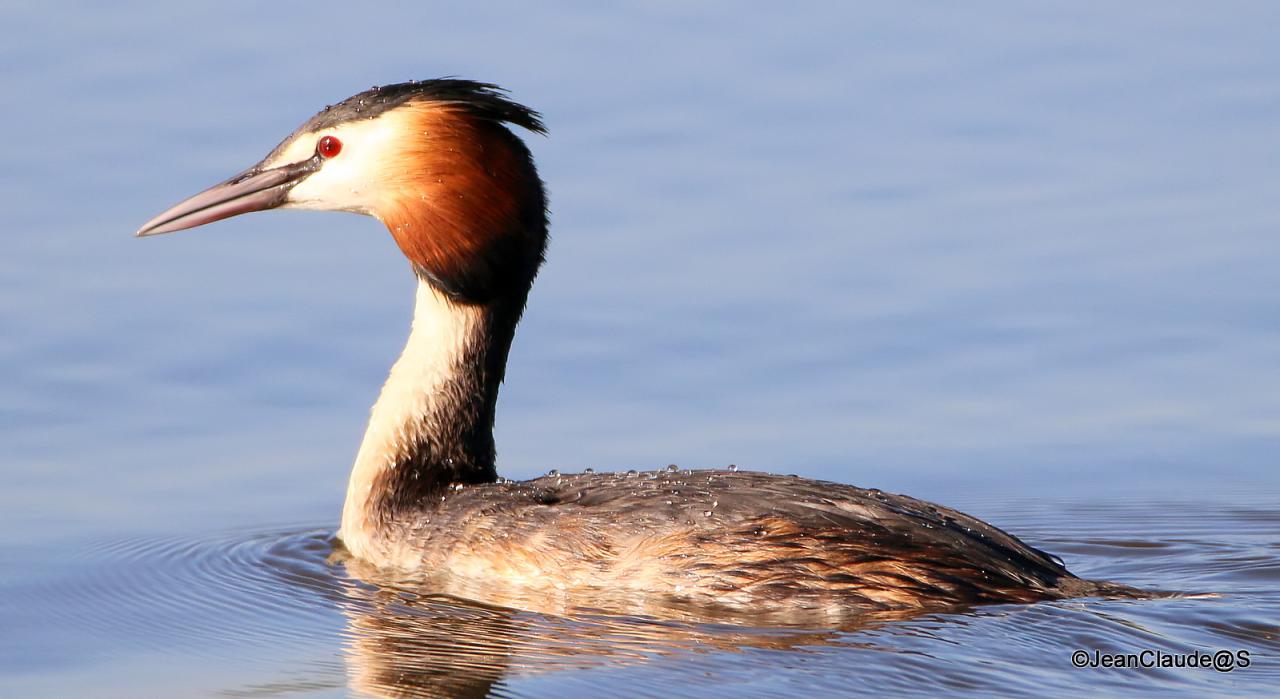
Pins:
x: 329, y: 147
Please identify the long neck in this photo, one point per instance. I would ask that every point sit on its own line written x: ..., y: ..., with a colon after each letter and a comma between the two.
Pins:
x: 433, y: 423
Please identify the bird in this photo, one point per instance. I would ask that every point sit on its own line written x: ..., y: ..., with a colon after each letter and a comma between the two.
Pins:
x: 438, y: 162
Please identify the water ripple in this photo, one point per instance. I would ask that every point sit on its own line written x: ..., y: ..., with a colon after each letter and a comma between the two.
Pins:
x: 326, y: 626
x: 216, y: 592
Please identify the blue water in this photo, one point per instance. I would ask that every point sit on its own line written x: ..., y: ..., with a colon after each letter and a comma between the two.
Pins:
x: 1017, y: 259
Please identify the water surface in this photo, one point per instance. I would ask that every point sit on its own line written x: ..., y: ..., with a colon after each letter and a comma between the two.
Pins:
x: 1017, y: 260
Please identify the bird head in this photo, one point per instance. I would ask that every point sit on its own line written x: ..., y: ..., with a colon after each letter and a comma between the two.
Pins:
x: 433, y: 160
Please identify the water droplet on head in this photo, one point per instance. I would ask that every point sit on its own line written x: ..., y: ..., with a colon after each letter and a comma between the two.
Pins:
x: 590, y: 470
x: 631, y: 472
x: 672, y: 468
x: 733, y: 467
x: 553, y: 472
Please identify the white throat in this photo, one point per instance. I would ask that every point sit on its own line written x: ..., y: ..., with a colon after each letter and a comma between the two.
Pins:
x: 417, y: 391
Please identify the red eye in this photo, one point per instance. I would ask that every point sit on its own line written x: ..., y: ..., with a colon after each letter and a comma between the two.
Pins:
x: 329, y: 147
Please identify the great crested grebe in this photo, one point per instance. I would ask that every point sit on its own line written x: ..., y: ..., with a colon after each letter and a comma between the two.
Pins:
x: 435, y: 162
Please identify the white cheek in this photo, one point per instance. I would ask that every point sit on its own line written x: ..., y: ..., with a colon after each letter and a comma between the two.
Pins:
x: 348, y: 181
x: 339, y: 185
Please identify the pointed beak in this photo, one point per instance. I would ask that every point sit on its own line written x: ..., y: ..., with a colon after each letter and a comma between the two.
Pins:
x: 254, y: 189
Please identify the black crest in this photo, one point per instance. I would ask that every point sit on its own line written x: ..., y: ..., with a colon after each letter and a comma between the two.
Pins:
x: 482, y: 100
